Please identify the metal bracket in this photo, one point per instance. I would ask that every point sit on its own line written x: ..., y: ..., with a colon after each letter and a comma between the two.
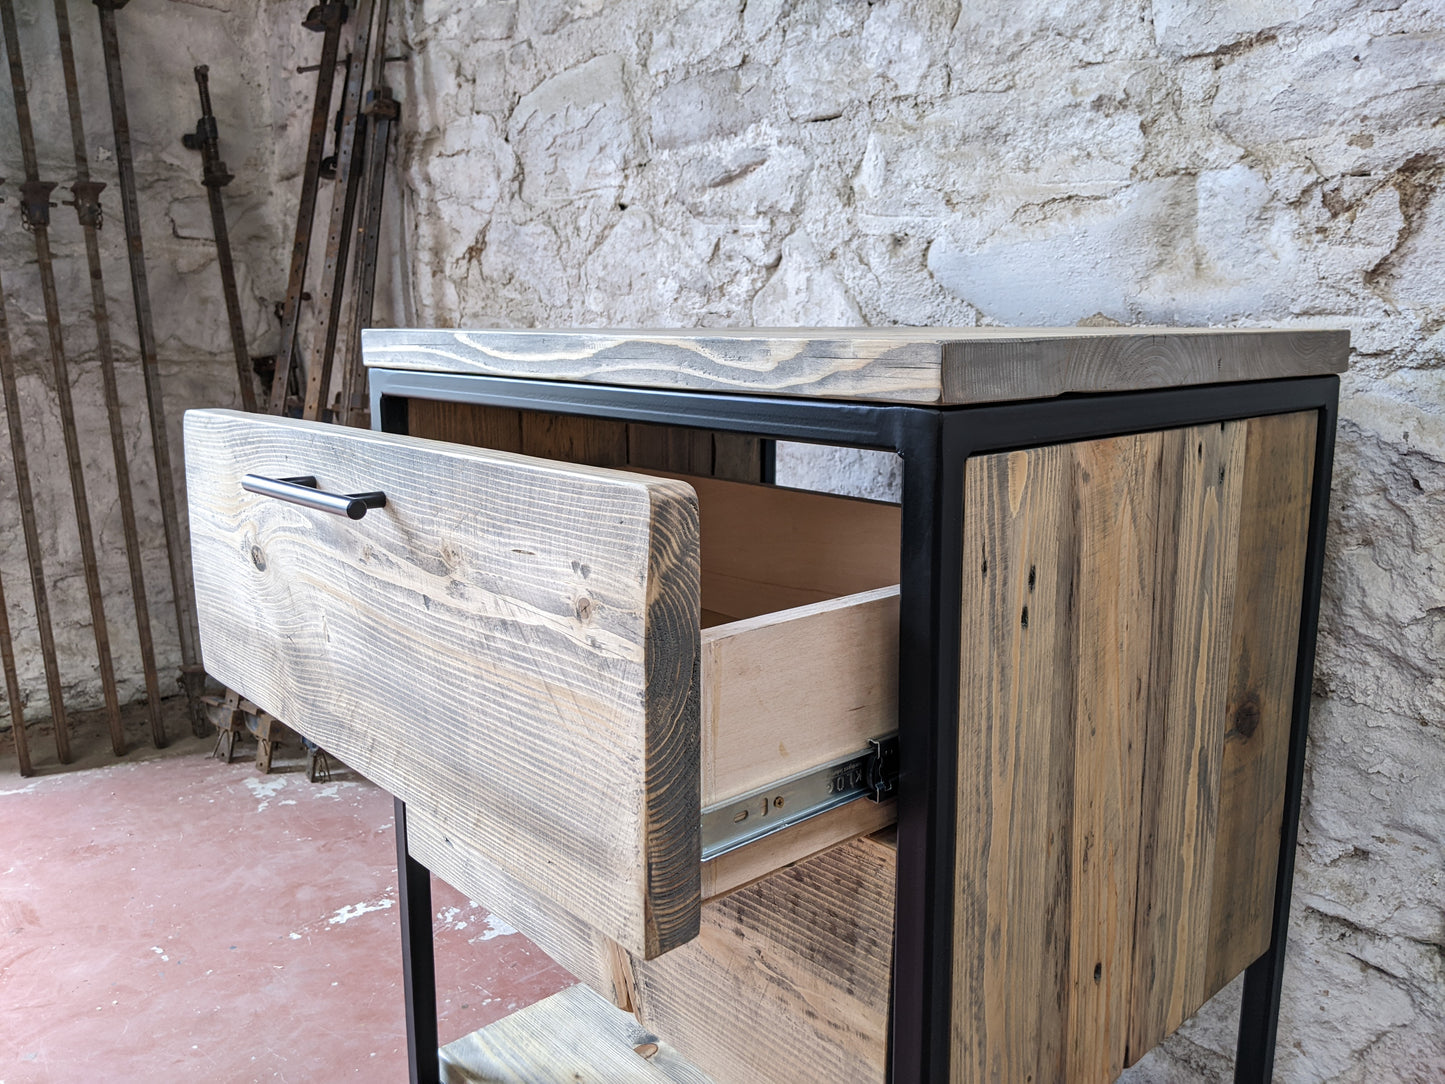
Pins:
x: 35, y: 204
x: 871, y: 773
x: 86, y: 201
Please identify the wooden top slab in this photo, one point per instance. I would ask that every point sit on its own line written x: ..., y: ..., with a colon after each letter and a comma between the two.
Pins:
x: 934, y: 366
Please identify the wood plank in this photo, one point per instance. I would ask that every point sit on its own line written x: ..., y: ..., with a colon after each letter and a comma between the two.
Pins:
x: 1274, y: 524
x: 474, y: 424
x: 902, y: 365
x: 509, y: 645
x: 737, y: 457
x: 788, y: 691
x: 670, y: 449
x: 788, y: 980
x: 1012, y: 844
x: 572, y: 1037
x: 599, y: 442
x: 1115, y: 483
x: 589, y: 955
x: 664, y: 448
x: 765, y: 548
x: 1199, y: 502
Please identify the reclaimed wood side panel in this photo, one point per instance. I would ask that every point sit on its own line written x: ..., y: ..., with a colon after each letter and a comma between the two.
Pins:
x: 788, y: 981
x: 510, y: 646
x: 891, y: 364
x: 1129, y: 604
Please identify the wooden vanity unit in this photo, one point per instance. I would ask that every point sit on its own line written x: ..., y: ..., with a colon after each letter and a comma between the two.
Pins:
x: 996, y: 784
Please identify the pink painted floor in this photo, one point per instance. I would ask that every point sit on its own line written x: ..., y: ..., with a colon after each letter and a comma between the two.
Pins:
x: 167, y: 917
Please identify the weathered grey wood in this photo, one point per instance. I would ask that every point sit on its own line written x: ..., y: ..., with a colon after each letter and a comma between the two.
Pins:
x: 572, y: 1037
x: 902, y: 365
x: 789, y: 980
x: 590, y: 956
x: 510, y: 646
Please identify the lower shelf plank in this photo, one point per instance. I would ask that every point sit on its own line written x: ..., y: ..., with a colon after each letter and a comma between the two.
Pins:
x: 574, y: 1037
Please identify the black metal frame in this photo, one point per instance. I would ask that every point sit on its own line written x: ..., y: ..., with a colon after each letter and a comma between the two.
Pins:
x: 935, y: 443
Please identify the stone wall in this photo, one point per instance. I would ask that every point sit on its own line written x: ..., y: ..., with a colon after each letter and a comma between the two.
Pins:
x: 1247, y: 162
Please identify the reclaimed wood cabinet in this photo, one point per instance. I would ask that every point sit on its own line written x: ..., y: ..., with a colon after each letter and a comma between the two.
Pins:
x: 996, y: 784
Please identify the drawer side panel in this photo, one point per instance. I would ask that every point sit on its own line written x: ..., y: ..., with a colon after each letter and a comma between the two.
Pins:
x: 510, y: 646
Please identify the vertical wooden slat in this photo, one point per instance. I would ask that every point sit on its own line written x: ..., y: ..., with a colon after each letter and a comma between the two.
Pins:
x: 1199, y: 501
x: 1116, y: 483
x: 598, y: 442
x: 788, y: 980
x: 473, y: 424
x: 1274, y: 522
x: 737, y: 457
x: 1008, y: 839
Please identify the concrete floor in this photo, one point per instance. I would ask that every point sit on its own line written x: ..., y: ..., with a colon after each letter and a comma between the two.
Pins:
x: 167, y: 917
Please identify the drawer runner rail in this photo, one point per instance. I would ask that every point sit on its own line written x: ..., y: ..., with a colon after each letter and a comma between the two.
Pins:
x: 871, y: 773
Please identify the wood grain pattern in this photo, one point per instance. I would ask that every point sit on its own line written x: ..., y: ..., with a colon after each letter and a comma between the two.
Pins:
x: 572, y: 1037
x: 1199, y: 497
x: 589, y: 955
x: 903, y: 365
x: 788, y: 981
x: 510, y: 646
x: 788, y: 691
x: 668, y: 449
x: 1105, y: 630
x: 1274, y: 524
x: 766, y: 548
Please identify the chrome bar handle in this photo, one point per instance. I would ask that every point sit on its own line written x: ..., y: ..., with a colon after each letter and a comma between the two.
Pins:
x: 303, y: 491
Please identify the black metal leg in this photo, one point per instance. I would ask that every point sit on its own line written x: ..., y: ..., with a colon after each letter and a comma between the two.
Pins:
x: 933, y: 457
x: 1259, y: 1009
x: 418, y: 964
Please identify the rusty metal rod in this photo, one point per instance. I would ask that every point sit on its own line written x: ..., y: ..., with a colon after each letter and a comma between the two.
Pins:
x: 383, y: 110
x: 192, y: 676
x: 343, y: 211
x: 327, y: 18
x: 87, y: 207
x: 215, y: 176
x: 33, y: 552
x: 35, y: 208
x: 12, y: 690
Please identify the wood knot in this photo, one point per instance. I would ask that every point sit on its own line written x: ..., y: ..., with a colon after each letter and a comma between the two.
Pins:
x: 1246, y: 717
x: 583, y: 607
x: 258, y: 558
x: 645, y: 1050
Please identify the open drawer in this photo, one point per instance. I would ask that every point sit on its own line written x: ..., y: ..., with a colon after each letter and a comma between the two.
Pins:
x: 557, y: 667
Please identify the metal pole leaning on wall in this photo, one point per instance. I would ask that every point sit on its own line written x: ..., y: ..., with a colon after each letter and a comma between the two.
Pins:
x: 192, y: 676
x: 327, y: 19
x: 343, y: 210
x: 32, y: 548
x: 382, y: 109
x: 86, y: 201
x: 35, y: 212
x: 215, y: 176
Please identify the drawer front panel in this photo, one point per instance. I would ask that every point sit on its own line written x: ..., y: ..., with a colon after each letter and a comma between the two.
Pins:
x: 510, y: 645
x: 1129, y: 627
